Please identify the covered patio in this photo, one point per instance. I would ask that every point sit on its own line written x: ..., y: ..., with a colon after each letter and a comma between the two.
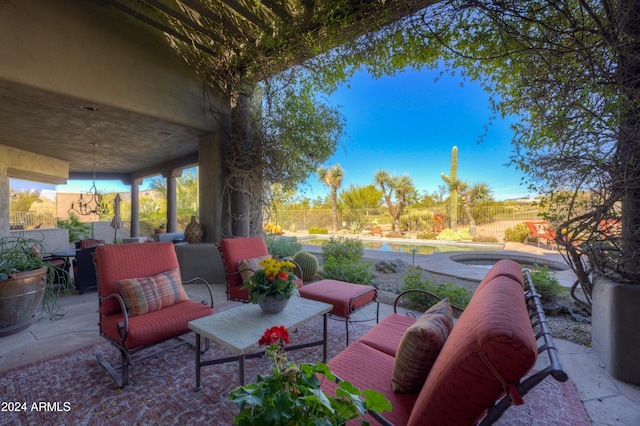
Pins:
x: 123, y: 78
x: 85, y: 75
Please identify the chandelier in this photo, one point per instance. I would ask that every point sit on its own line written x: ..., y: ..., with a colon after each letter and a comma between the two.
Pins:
x: 91, y: 202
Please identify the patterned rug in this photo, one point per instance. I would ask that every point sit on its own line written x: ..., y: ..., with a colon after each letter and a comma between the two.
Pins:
x: 73, y: 389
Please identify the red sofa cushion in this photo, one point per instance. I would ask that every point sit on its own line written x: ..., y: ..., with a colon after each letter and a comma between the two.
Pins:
x: 373, y: 374
x: 120, y: 261
x: 345, y: 297
x: 461, y: 384
x: 386, y: 335
x: 156, y: 326
x: 506, y: 268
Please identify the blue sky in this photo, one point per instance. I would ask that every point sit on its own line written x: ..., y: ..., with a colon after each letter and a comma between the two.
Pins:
x: 408, y: 124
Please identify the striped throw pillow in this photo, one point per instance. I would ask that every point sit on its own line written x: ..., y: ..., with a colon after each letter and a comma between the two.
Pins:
x: 420, y: 346
x: 247, y: 267
x: 148, y: 294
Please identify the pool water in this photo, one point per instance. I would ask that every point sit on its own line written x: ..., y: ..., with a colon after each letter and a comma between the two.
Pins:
x: 532, y: 266
x: 402, y: 248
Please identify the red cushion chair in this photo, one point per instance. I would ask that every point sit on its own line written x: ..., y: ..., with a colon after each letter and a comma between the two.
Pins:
x: 169, y: 316
x: 233, y: 250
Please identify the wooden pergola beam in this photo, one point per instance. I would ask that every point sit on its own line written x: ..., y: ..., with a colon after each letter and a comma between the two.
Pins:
x: 195, y: 5
x: 185, y: 20
x: 162, y: 27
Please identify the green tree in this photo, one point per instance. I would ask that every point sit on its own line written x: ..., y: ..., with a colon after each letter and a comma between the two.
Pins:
x: 332, y: 178
x: 357, y: 201
x: 394, y: 188
x: 567, y: 72
x: 22, y: 201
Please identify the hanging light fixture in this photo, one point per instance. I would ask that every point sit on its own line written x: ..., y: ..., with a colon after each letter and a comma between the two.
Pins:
x: 91, y: 202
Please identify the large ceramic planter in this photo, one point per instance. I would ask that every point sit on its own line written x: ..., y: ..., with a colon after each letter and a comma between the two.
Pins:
x: 20, y: 296
x: 272, y: 306
x: 615, y: 323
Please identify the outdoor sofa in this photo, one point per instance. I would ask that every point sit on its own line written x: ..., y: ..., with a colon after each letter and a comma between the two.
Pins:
x: 474, y: 369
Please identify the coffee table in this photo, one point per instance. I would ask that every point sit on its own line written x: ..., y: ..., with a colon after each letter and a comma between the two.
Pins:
x: 239, y: 330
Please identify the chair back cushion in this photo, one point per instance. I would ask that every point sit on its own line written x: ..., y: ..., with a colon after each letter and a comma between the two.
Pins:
x: 236, y: 249
x: 490, y: 348
x: 122, y: 261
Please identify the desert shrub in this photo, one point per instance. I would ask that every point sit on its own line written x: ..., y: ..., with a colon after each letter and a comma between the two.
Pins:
x: 426, y: 235
x: 485, y: 239
x: 448, y: 235
x: 355, y: 227
x: 318, y: 230
x: 393, y: 234
x: 272, y: 228
x: 546, y: 284
x: 416, y: 220
x: 348, y: 270
x: 464, y: 234
x: 343, y: 248
x: 518, y: 233
x: 457, y: 295
x: 282, y: 247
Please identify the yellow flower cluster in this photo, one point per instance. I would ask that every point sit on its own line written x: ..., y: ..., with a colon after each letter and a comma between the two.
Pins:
x: 273, y: 267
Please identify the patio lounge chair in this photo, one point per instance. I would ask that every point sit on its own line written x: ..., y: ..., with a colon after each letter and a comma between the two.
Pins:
x: 142, y: 301
x: 249, y: 251
x: 542, y: 230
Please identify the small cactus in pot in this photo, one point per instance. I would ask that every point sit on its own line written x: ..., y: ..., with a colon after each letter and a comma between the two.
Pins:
x: 308, y: 264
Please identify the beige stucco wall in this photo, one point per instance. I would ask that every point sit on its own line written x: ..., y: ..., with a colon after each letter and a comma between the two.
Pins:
x: 92, y: 51
x: 16, y: 163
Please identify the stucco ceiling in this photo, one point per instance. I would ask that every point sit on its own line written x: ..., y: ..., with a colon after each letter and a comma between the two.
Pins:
x: 133, y: 144
x: 66, y: 128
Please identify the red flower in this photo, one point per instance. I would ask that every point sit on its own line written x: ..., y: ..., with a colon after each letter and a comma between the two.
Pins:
x: 283, y: 276
x: 275, y: 335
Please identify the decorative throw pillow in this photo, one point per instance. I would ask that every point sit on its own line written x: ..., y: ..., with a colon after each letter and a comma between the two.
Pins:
x: 247, y: 267
x: 147, y: 294
x: 420, y: 346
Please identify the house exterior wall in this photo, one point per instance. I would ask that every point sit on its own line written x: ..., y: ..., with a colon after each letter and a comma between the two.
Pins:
x: 84, y: 50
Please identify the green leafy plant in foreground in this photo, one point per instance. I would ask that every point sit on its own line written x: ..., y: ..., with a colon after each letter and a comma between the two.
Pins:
x: 341, y: 247
x: 292, y: 395
x: 457, y: 295
x: 342, y: 269
x: 546, y: 284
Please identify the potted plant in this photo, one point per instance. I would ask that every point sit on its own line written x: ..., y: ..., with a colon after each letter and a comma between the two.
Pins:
x: 272, y: 286
x: 161, y: 229
x: 26, y: 280
x: 292, y: 394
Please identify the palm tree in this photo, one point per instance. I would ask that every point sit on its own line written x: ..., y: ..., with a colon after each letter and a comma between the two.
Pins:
x: 332, y: 178
x: 402, y: 186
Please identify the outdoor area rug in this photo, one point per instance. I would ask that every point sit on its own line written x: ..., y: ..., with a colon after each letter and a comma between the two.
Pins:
x: 73, y: 389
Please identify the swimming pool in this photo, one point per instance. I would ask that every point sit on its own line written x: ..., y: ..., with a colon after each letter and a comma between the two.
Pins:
x: 487, y: 260
x: 425, y: 247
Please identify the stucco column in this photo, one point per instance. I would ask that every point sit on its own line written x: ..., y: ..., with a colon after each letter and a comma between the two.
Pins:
x: 4, y: 206
x: 172, y: 202
x: 215, y: 216
x: 135, y: 208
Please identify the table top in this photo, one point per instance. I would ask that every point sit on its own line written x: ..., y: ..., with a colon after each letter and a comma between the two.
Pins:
x: 239, y: 329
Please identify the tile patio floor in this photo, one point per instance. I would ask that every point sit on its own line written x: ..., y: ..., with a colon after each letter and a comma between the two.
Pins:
x: 606, y: 400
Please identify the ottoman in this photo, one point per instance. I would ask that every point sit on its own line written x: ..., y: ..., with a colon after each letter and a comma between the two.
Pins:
x: 346, y: 298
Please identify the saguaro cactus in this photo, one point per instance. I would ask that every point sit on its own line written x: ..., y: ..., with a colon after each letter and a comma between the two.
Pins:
x: 452, y: 182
